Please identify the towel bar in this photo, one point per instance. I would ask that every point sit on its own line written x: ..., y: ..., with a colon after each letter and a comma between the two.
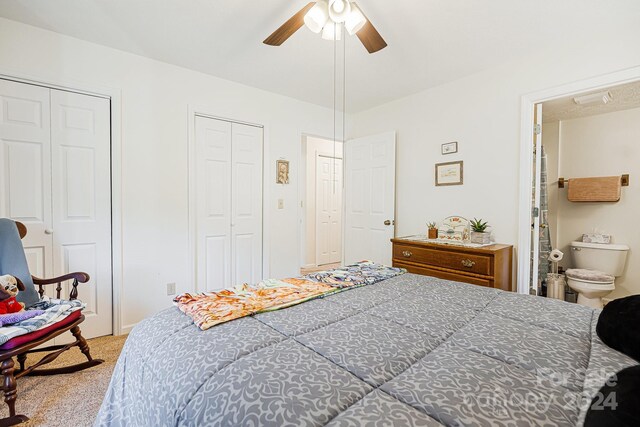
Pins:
x: 624, y: 181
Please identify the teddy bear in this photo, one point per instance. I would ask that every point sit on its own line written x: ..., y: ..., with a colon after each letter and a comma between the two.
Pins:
x: 9, y: 288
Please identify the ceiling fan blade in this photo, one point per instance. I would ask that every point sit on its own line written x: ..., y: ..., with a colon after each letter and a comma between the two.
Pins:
x: 287, y: 29
x: 371, y: 38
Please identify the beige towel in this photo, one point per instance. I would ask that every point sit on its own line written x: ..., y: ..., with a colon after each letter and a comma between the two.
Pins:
x: 602, y: 189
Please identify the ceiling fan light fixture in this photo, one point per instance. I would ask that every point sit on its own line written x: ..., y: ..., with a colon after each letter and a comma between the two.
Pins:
x: 355, y: 20
x: 594, y: 98
x: 339, y: 10
x: 332, y: 31
x: 318, y: 16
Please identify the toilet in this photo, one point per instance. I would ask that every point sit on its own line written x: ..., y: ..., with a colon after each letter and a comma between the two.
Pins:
x: 596, y: 267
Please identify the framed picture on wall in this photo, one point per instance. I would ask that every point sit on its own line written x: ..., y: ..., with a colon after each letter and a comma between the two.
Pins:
x: 450, y: 173
x: 449, y: 148
x: 282, y: 172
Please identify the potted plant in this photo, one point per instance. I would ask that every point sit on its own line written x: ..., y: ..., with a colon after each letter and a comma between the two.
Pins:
x: 432, y: 232
x: 479, y: 233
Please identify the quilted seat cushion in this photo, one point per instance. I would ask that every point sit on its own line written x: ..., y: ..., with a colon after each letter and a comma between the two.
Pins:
x: 591, y: 275
x: 32, y: 336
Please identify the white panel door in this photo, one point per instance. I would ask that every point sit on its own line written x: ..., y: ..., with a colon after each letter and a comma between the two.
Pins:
x: 328, y: 210
x: 246, y: 211
x: 213, y: 203
x: 81, y: 165
x: 370, y: 198
x: 25, y: 168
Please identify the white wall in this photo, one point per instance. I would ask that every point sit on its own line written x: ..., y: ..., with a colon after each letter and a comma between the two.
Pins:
x: 603, y: 145
x: 482, y: 112
x: 311, y: 147
x: 154, y: 105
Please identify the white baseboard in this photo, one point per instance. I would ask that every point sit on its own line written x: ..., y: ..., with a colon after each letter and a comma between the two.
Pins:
x: 125, y: 329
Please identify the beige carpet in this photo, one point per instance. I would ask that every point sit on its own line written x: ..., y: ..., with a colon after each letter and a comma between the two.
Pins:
x: 71, y: 399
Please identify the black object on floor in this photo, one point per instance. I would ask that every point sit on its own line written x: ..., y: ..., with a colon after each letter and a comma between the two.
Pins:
x: 618, y: 401
x: 618, y: 325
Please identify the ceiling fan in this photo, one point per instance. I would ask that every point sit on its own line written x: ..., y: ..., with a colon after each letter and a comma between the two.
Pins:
x: 327, y: 16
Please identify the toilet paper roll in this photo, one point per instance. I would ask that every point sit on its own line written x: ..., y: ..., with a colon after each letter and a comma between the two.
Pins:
x: 556, y: 256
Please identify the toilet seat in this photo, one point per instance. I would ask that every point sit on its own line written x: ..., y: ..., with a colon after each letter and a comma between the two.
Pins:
x: 585, y: 285
x: 592, y: 277
x: 590, y: 292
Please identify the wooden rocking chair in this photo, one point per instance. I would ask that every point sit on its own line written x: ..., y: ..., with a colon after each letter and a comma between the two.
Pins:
x: 22, y: 345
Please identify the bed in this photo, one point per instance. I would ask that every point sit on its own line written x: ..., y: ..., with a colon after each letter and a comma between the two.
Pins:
x: 407, y: 351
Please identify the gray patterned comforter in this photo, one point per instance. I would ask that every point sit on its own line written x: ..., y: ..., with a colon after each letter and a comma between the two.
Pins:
x: 408, y: 351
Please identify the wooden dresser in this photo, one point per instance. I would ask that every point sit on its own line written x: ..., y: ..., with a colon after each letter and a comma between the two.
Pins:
x: 486, y: 266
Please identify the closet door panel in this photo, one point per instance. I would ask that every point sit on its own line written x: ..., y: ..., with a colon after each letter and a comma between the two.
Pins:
x: 217, y: 260
x: 25, y: 168
x: 246, y: 223
x: 213, y: 203
x: 25, y: 183
x: 81, y: 154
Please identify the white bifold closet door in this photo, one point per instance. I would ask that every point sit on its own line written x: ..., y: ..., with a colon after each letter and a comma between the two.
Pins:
x: 228, y: 193
x: 25, y: 157
x: 56, y: 166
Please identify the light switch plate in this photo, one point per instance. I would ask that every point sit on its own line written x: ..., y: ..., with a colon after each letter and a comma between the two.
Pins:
x: 280, y: 203
x: 171, y: 288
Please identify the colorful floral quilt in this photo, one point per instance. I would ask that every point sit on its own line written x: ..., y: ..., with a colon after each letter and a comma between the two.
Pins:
x: 359, y: 274
x: 208, y: 309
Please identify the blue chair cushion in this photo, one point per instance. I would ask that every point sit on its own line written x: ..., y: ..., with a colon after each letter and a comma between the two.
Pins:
x: 14, y: 262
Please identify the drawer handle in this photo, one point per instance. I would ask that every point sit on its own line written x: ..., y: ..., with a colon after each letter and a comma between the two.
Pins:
x: 406, y: 254
x: 468, y: 263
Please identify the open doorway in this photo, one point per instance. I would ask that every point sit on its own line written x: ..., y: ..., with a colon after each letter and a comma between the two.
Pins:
x: 584, y: 202
x: 322, y: 204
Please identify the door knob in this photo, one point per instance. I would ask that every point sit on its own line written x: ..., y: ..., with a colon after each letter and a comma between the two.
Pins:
x: 48, y: 231
x: 387, y: 222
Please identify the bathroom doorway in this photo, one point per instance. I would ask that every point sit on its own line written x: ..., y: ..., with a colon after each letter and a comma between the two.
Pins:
x: 587, y: 134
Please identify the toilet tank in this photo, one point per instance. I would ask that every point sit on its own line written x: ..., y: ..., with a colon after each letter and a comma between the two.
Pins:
x: 609, y: 259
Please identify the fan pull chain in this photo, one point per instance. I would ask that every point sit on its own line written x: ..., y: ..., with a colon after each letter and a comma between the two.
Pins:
x: 335, y: 90
x: 344, y: 99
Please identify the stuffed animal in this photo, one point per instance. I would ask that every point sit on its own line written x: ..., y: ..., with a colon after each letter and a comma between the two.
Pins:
x: 9, y: 287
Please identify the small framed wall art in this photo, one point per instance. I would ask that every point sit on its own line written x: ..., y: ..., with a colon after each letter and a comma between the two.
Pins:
x: 449, y: 148
x: 450, y: 173
x: 282, y: 172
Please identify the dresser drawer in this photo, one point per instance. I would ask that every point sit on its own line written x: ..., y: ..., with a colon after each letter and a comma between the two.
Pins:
x: 471, y: 263
x: 426, y: 271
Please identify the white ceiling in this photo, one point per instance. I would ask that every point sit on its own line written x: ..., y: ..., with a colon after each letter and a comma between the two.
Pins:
x: 430, y: 41
x: 624, y: 97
